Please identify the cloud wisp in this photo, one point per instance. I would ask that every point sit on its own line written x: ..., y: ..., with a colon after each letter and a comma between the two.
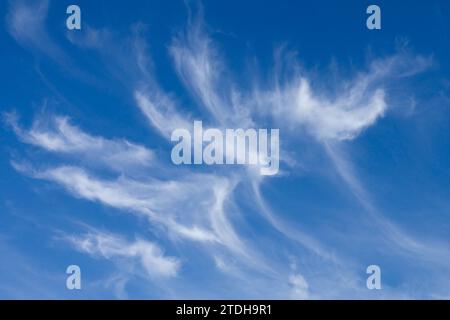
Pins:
x: 26, y: 24
x: 57, y: 135
x: 113, y: 247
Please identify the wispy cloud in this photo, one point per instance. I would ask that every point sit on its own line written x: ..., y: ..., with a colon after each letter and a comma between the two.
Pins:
x: 398, y: 240
x: 201, y: 68
x: 204, y: 208
x: 26, y: 23
x: 58, y: 135
x: 299, y: 287
x: 136, y: 74
x: 354, y: 105
x: 113, y: 247
x: 161, y: 112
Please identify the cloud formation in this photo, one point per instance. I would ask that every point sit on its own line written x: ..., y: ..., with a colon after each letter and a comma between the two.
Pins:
x: 355, y: 105
x: 111, y: 247
x: 56, y: 134
x: 209, y: 211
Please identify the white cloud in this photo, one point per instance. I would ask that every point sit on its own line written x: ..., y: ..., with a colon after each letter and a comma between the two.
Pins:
x: 357, y: 104
x: 161, y: 113
x: 26, y: 24
x: 399, y: 240
x: 295, y: 234
x: 299, y: 287
x: 203, y: 72
x: 109, y: 246
x: 57, y: 134
x: 136, y: 74
x: 186, y: 204
x: 191, y: 208
x: 89, y: 38
x: 342, y: 119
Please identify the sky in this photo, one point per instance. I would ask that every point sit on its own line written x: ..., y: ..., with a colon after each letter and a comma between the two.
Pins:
x: 86, y: 176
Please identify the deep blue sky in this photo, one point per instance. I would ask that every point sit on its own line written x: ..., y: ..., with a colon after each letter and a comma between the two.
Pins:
x: 86, y: 176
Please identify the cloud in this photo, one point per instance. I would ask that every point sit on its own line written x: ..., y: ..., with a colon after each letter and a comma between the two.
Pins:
x: 161, y: 113
x: 196, y: 207
x: 341, y: 119
x: 58, y: 135
x: 109, y: 246
x: 89, y: 37
x: 203, y: 72
x: 295, y: 234
x: 26, y: 24
x: 399, y: 241
x: 176, y: 205
x: 299, y: 287
x: 356, y: 104
x: 206, y: 208
x: 291, y: 100
x: 136, y: 74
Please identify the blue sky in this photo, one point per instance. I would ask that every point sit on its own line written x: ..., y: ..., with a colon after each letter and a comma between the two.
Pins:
x: 87, y: 178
